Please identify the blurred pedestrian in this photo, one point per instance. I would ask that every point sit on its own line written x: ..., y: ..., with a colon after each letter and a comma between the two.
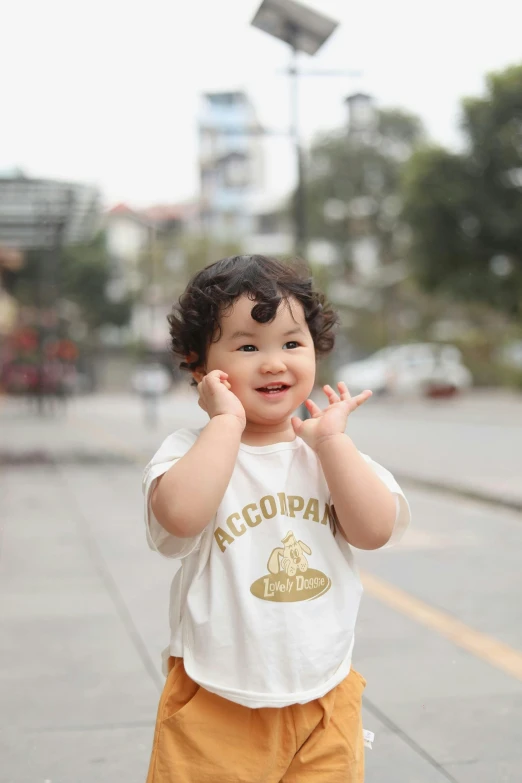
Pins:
x: 151, y: 380
x: 261, y: 509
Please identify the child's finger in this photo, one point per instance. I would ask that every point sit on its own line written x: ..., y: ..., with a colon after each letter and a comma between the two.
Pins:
x: 213, y: 382
x: 297, y: 424
x: 362, y: 397
x: 312, y: 408
x: 218, y: 374
x: 343, y: 391
x: 332, y: 396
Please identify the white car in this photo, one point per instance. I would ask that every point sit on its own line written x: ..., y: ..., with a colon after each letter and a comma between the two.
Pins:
x: 429, y: 369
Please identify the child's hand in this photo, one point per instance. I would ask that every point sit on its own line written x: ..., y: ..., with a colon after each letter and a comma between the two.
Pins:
x: 216, y: 398
x: 332, y: 420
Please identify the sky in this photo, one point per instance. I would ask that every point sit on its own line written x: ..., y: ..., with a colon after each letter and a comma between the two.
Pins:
x: 107, y: 91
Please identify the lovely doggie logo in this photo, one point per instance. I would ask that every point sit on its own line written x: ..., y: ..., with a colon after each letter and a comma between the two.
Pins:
x: 290, y: 578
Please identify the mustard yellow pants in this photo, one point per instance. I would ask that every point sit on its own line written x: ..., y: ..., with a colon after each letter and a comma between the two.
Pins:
x: 203, y: 738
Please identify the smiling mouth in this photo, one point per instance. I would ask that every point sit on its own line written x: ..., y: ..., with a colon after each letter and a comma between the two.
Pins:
x: 273, y: 389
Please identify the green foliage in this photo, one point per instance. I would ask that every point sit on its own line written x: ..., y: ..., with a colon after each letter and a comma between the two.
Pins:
x: 84, y: 275
x: 199, y: 250
x: 399, y: 127
x: 465, y: 211
x: 359, y: 178
x: 438, y: 196
x: 78, y: 274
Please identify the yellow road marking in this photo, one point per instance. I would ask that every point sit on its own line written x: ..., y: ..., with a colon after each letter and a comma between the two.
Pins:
x: 498, y: 654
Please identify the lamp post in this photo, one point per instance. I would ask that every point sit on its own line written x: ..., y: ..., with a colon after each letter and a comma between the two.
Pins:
x: 304, y: 30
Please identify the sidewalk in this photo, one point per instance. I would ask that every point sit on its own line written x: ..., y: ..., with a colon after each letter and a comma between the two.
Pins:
x: 470, y: 445
x: 83, y: 603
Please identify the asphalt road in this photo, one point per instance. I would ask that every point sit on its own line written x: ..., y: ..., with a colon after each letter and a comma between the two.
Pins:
x: 83, y: 603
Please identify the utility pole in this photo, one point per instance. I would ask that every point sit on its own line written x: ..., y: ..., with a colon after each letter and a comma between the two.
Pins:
x: 300, y: 193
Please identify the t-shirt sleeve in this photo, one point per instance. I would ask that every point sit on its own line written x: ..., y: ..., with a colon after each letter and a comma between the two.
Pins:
x: 171, y: 450
x: 403, y: 513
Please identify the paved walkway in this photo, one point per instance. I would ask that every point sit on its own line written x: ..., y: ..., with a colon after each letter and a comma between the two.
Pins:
x: 472, y: 445
x: 83, y: 603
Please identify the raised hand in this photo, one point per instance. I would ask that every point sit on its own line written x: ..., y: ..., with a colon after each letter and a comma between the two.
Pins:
x: 332, y: 420
x: 216, y: 398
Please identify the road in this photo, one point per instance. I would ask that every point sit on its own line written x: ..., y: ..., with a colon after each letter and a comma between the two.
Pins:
x: 83, y: 603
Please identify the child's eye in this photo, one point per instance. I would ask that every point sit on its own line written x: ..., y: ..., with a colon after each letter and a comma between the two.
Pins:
x: 291, y: 344
x: 248, y: 348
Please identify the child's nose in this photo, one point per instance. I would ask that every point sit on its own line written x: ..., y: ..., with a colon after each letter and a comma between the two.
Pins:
x: 273, y: 364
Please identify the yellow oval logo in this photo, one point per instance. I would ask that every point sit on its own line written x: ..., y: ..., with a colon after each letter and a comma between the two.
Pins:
x: 285, y: 589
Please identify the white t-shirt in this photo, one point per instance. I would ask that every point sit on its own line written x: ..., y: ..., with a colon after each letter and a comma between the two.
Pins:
x: 263, y: 608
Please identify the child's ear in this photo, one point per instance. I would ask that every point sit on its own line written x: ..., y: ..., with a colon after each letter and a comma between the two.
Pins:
x: 198, y: 374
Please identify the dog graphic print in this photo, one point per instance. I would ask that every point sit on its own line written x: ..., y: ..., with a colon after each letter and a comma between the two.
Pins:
x: 290, y: 577
x: 291, y: 558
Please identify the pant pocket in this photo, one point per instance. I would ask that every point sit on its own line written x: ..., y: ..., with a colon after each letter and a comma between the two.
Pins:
x: 180, y: 691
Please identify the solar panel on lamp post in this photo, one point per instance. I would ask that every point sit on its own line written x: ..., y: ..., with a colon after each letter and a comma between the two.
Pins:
x: 304, y: 30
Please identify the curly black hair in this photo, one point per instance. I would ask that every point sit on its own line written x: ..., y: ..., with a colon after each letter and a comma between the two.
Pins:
x: 195, y: 320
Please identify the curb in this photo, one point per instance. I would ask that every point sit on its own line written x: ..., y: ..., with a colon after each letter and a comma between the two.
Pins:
x: 513, y: 504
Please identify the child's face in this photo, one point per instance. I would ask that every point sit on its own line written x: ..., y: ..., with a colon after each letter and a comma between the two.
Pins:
x: 256, y: 356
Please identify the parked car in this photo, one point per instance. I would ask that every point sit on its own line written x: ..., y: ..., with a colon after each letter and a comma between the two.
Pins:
x: 429, y: 369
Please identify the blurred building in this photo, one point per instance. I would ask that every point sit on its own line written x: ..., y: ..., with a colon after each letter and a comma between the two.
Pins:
x: 127, y: 234
x: 231, y: 164
x: 131, y: 233
x: 33, y: 211
x: 362, y: 114
x: 145, y: 257
x: 37, y: 214
x: 271, y: 227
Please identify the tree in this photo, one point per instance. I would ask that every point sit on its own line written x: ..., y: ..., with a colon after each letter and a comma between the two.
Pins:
x: 79, y: 274
x: 465, y: 210
x: 171, y: 260
x: 353, y: 184
x: 439, y: 210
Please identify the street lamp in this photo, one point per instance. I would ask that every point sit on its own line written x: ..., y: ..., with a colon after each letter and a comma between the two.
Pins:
x: 305, y: 30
